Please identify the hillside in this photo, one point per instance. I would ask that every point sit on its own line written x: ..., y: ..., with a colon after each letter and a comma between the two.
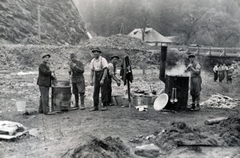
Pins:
x: 60, y: 22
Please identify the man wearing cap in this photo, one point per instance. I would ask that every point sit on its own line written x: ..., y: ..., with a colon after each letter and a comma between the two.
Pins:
x: 112, y: 75
x: 195, y: 86
x: 99, y: 79
x: 45, y: 76
x: 78, y: 82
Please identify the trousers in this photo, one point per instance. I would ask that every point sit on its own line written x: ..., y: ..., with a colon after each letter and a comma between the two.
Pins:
x: 98, y: 87
x: 44, y: 99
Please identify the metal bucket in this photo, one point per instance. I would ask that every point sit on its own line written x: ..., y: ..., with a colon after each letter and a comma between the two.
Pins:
x: 154, y: 97
x: 146, y: 100
x: 137, y: 100
x: 119, y: 100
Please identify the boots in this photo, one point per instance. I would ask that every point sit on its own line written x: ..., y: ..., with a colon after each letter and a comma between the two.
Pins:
x: 197, y: 107
x: 104, y: 108
x: 95, y: 108
x: 76, y: 101
x: 82, y: 102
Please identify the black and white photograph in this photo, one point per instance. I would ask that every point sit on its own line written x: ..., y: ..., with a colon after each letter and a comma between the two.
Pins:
x: 119, y: 78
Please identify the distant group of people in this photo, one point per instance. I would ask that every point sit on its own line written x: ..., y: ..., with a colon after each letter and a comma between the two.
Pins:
x: 223, y: 71
x: 102, y: 74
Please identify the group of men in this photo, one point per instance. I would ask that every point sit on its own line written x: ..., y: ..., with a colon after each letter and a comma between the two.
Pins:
x: 102, y: 74
x: 101, y: 77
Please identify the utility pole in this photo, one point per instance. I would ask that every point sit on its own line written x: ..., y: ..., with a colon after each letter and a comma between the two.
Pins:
x: 39, y: 24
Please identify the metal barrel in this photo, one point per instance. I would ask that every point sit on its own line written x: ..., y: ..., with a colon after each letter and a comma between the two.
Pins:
x: 61, y: 96
x: 176, y: 88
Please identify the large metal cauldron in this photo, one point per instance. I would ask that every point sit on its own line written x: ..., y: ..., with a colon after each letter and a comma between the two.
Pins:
x: 177, y: 89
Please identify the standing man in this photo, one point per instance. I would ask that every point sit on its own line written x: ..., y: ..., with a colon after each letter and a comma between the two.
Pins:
x: 230, y: 71
x: 112, y: 75
x: 215, y: 70
x: 99, y: 79
x: 45, y: 76
x: 195, y: 86
x: 78, y: 81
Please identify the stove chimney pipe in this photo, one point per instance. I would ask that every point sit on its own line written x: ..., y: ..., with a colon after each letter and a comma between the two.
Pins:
x: 162, y: 76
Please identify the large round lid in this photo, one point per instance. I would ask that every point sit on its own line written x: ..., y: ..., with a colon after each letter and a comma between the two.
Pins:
x: 160, y: 102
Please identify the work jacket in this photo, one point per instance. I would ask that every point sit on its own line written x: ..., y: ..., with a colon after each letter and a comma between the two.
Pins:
x: 44, y: 75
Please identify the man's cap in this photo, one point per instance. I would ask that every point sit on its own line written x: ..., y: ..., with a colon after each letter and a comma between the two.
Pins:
x: 96, y: 50
x: 191, y: 56
x: 115, y: 56
x: 45, y: 55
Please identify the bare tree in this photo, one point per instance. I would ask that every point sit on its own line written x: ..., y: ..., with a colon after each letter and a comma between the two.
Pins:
x: 144, y: 20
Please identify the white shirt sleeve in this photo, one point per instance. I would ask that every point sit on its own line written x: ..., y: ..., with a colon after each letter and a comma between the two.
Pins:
x: 91, y: 65
x: 104, y: 63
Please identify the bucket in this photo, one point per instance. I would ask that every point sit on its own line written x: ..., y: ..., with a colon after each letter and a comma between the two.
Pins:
x: 119, y: 100
x: 21, y: 105
x: 146, y: 100
x: 113, y: 100
x: 137, y: 100
x: 154, y: 97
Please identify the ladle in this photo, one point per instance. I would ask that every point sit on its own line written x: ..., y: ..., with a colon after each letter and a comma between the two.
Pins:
x: 175, y: 100
x: 172, y: 97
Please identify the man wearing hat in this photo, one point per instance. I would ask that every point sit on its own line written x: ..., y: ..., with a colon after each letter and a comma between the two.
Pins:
x: 195, y: 86
x: 99, y: 79
x: 45, y: 76
x: 78, y: 81
x: 112, y: 75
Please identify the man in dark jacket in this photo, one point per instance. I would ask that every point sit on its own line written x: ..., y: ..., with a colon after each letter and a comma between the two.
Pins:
x: 45, y: 77
x: 78, y: 82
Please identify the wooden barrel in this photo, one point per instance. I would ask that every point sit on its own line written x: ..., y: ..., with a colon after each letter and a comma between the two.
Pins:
x: 61, y: 98
x: 181, y: 86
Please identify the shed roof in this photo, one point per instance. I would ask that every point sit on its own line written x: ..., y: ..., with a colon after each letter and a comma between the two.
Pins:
x: 151, y: 36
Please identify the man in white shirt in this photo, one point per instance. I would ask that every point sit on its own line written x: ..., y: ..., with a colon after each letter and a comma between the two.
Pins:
x: 215, y: 70
x: 99, y: 79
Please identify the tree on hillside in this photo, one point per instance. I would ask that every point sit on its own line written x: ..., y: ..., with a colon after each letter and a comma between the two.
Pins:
x: 223, y: 24
x: 190, y: 20
x: 144, y: 21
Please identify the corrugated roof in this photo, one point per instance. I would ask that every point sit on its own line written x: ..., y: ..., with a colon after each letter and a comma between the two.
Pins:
x: 151, y: 35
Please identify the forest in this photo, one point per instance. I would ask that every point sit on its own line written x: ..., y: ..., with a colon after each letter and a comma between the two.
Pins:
x: 205, y: 22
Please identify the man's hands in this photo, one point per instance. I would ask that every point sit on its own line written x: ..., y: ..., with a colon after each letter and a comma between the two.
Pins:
x: 188, y: 67
x: 119, y: 82
x: 73, y: 65
x: 101, y: 82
